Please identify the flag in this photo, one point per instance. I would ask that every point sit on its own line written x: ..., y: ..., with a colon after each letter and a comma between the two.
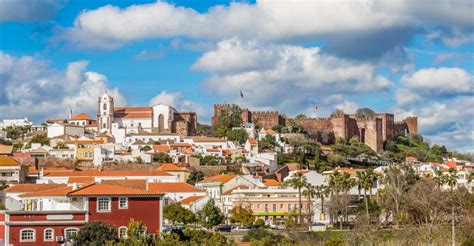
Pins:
x: 241, y: 94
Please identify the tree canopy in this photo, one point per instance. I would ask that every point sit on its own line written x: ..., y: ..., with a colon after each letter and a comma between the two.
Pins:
x: 210, y: 215
x: 176, y: 213
x: 96, y: 233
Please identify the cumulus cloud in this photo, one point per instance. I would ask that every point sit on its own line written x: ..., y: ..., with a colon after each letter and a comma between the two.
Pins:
x: 28, y: 10
x: 282, y: 76
x: 449, y: 122
x: 176, y: 100
x: 357, y: 22
x: 440, y: 81
x: 29, y: 86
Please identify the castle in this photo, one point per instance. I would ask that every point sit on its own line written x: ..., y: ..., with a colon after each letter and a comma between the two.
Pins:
x: 373, y: 130
x: 159, y: 119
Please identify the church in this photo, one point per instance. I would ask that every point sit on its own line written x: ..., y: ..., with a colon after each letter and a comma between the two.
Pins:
x: 157, y: 119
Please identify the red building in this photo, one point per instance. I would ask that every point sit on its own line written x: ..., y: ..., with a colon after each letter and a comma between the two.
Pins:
x: 52, y: 217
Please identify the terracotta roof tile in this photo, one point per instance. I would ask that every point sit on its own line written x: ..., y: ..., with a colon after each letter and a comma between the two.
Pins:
x: 191, y: 199
x: 169, y: 167
x: 8, y: 161
x: 173, y: 187
x: 82, y: 116
x: 80, y: 180
x: 52, y: 192
x: 271, y: 182
x: 5, y: 149
x: 133, y: 112
x: 33, y: 187
x: 162, y: 148
x: 252, y: 141
x: 220, y: 178
x: 213, y: 150
x: 119, y: 173
x: 229, y: 192
x: 131, y: 183
x: 207, y: 140
x: 112, y: 190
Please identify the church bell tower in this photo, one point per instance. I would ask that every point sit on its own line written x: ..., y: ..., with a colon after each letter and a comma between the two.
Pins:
x: 105, y: 113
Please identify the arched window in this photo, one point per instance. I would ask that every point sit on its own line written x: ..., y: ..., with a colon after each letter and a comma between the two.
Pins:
x: 49, y: 234
x: 123, y: 232
x: 27, y: 235
x: 104, y: 106
x: 70, y: 233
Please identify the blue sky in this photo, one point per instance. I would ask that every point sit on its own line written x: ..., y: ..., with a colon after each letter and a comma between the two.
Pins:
x: 400, y: 57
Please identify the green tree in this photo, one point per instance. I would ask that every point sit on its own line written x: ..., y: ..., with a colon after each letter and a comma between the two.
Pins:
x: 229, y: 117
x: 364, y: 113
x: 136, y: 234
x: 161, y: 157
x: 145, y: 148
x: 237, y: 135
x: 451, y: 178
x: 95, y: 233
x: 41, y: 139
x: 298, y: 181
x: 240, y: 215
x: 267, y: 143
x: 176, y: 213
x: 260, y: 223
x: 195, y: 176
x: 322, y: 191
x: 210, y: 215
x: 310, y: 192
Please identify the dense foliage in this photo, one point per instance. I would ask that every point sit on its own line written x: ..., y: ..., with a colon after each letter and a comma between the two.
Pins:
x: 96, y: 233
x: 210, y: 215
x: 176, y: 213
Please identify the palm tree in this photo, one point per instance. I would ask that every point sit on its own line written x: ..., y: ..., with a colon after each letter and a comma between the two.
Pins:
x: 310, y: 193
x: 440, y: 178
x: 298, y: 181
x: 322, y: 191
x: 360, y: 176
x: 346, y: 183
x: 451, y: 179
x: 372, y: 178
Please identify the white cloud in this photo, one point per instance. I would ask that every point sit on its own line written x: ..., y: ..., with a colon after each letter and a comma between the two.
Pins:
x: 282, y: 76
x: 439, y: 81
x: 28, y: 10
x: 110, y: 26
x: 176, y: 100
x: 30, y: 87
x: 449, y: 122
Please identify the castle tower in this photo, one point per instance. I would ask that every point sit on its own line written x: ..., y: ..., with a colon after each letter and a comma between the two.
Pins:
x: 105, y: 113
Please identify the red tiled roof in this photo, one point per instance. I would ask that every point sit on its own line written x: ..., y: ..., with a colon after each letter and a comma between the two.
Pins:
x: 133, y: 112
x: 5, y: 149
x: 229, y: 192
x: 252, y: 141
x: 271, y: 182
x: 450, y: 163
x: 112, y: 190
x: 227, y: 152
x: 207, y: 140
x: 180, y: 145
x: 52, y: 192
x: 82, y: 116
x: 162, y: 148
x: 220, y: 178
x: 271, y: 132
x: 109, y: 173
x: 80, y: 180
x: 33, y: 187
x: 213, y: 150
x: 169, y: 167
x: 191, y: 199
x: 173, y: 187
x: 8, y: 161
x: 131, y: 183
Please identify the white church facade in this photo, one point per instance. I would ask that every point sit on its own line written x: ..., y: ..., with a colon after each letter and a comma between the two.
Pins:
x: 159, y: 119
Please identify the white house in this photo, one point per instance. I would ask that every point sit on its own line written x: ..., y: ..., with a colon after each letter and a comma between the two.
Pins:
x: 58, y: 129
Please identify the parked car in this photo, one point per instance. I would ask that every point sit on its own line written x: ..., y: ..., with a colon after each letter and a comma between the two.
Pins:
x: 239, y: 228
x: 224, y: 228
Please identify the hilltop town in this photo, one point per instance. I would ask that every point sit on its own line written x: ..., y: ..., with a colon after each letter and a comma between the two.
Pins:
x: 156, y: 164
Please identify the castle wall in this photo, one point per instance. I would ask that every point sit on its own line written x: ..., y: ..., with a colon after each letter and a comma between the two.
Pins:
x: 412, y: 125
x: 267, y: 119
x: 388, y: 128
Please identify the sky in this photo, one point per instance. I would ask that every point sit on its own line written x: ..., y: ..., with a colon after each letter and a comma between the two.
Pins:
x: 410, y: 58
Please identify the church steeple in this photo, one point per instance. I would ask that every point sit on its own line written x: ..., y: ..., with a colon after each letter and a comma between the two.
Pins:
x: 105, y: 112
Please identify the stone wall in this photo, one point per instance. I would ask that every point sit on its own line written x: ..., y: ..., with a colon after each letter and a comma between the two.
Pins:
x: 267, y: 119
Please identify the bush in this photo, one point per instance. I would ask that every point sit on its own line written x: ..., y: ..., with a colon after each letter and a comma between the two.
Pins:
x: 96, y: 233
x: 256, y: 234
x: 260, y: 223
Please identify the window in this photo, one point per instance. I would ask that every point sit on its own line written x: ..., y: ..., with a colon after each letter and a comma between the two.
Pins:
x: 258, y: 206
x: 281, y: 205
x: 103, y: 205
x: 49, y: 234
x: 27, y: 235
x: 104, y: 106
x: 274, y: 207
x: 123, y: 202
x: 70, y: 233
x: 123, y: 232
